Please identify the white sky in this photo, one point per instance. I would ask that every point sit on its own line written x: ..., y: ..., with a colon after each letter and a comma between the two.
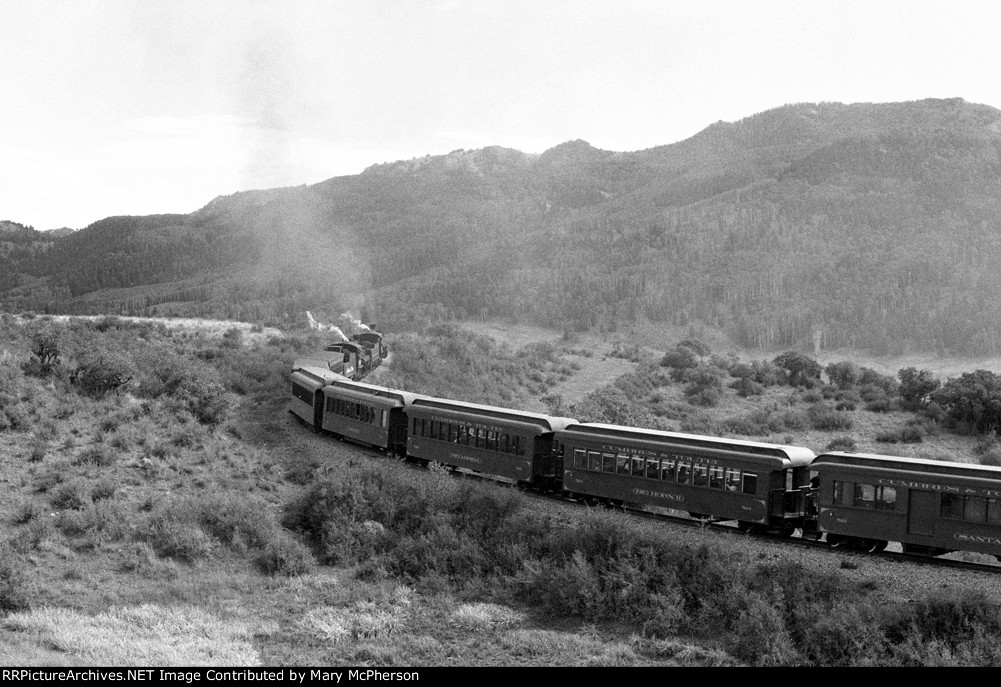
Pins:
x: 112, y: 107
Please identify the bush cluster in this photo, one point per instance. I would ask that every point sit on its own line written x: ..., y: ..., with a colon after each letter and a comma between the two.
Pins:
x: 190, y: 529
x: 442, y: 533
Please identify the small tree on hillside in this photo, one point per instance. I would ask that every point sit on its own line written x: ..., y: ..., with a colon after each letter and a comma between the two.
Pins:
x: 916, y: 387
x: 802, y: 370
x: 974, y: 399
x: 47, y: 341
x: 844, y: 374
x: 697, y: 346
x: 679, y: 360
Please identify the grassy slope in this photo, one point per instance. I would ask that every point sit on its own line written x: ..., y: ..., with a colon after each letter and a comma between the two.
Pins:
x: 95, y: 563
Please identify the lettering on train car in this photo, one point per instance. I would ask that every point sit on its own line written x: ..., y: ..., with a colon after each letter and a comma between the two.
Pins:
x: 658, y: 495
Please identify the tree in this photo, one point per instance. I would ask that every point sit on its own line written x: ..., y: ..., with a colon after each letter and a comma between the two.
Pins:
x: 974, y: 399
x: 802, y: 370
x: 844, y: 375
x: 916, y: 387
x: 47, y: 341
x: 697, y: 346
x: 679, y: 360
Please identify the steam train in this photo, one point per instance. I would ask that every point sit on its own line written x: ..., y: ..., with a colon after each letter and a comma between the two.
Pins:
x: 851, y: 500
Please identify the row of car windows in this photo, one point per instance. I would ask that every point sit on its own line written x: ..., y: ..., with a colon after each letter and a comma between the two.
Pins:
x: 463, y: 435
x: 864, y: 496
x: 674, y: 468
x: 971, y: 508
x: 955, y: 506
x: 359, y: 412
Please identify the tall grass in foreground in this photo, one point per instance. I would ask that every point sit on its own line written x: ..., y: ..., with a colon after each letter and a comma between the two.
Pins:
x: 146, y: 635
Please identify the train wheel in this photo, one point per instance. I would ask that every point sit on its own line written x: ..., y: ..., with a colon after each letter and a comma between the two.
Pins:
x: 787, y: 530
x: 877, y: 546
x: 834, y: 541
x: 744, y: 526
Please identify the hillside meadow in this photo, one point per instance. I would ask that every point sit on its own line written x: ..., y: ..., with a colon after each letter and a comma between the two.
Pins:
x: 164, y: 508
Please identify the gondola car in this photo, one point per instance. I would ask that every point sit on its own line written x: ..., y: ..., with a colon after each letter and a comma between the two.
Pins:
x: 509, y: 445
x: 762, y: 486
x: 367, y: 414
x: 930, y: 507
x: 308, y: 382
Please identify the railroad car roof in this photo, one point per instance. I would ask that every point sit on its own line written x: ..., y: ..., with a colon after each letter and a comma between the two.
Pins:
x: 922, y: 465
x: 373, y: 390
x: 319, y: 376
x: 548, y: 421
x: 322, y: 359
x: 798, y: 455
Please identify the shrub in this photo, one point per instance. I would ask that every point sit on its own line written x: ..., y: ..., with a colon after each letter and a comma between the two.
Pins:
x: 697, y: 346
x: 992, y: 457
x: 189, y: 529
x: 13, y: 415
x: 14, y: 587
x: 846, y: 444
x: 9, y: 373
x: 849, y: 634
x: 767, y: 373
x: 760, y: 637
x: 232, y: 338
x: 679, y: 359
x: 74, y: 494
x: 207, y: 401
x: 103, y: 488
x: 880, y: 405
x: 747, y: 387
x: 38, y: 451
x: 285, y: 555
x: 101, y: 456
x: 812, y: 396
x: 950, y: 617
x: 704, y: 378
x: 707, y: 398
x: 825, y: 418
x: 100, y: 370
x: 905, y: 435
x: 30, y: 538
x: 182, y: 541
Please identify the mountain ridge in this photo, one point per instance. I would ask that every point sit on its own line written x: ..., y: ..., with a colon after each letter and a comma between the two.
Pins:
x: 773, y: 228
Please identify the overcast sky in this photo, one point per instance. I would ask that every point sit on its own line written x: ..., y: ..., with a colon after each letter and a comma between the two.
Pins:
x: 111, y: 107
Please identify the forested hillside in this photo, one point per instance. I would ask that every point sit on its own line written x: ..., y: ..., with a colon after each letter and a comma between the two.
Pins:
x: 873, y: 226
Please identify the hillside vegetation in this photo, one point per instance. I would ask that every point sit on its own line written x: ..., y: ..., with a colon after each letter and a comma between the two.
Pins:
x: 867, y: 226
x: 164, y: 508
